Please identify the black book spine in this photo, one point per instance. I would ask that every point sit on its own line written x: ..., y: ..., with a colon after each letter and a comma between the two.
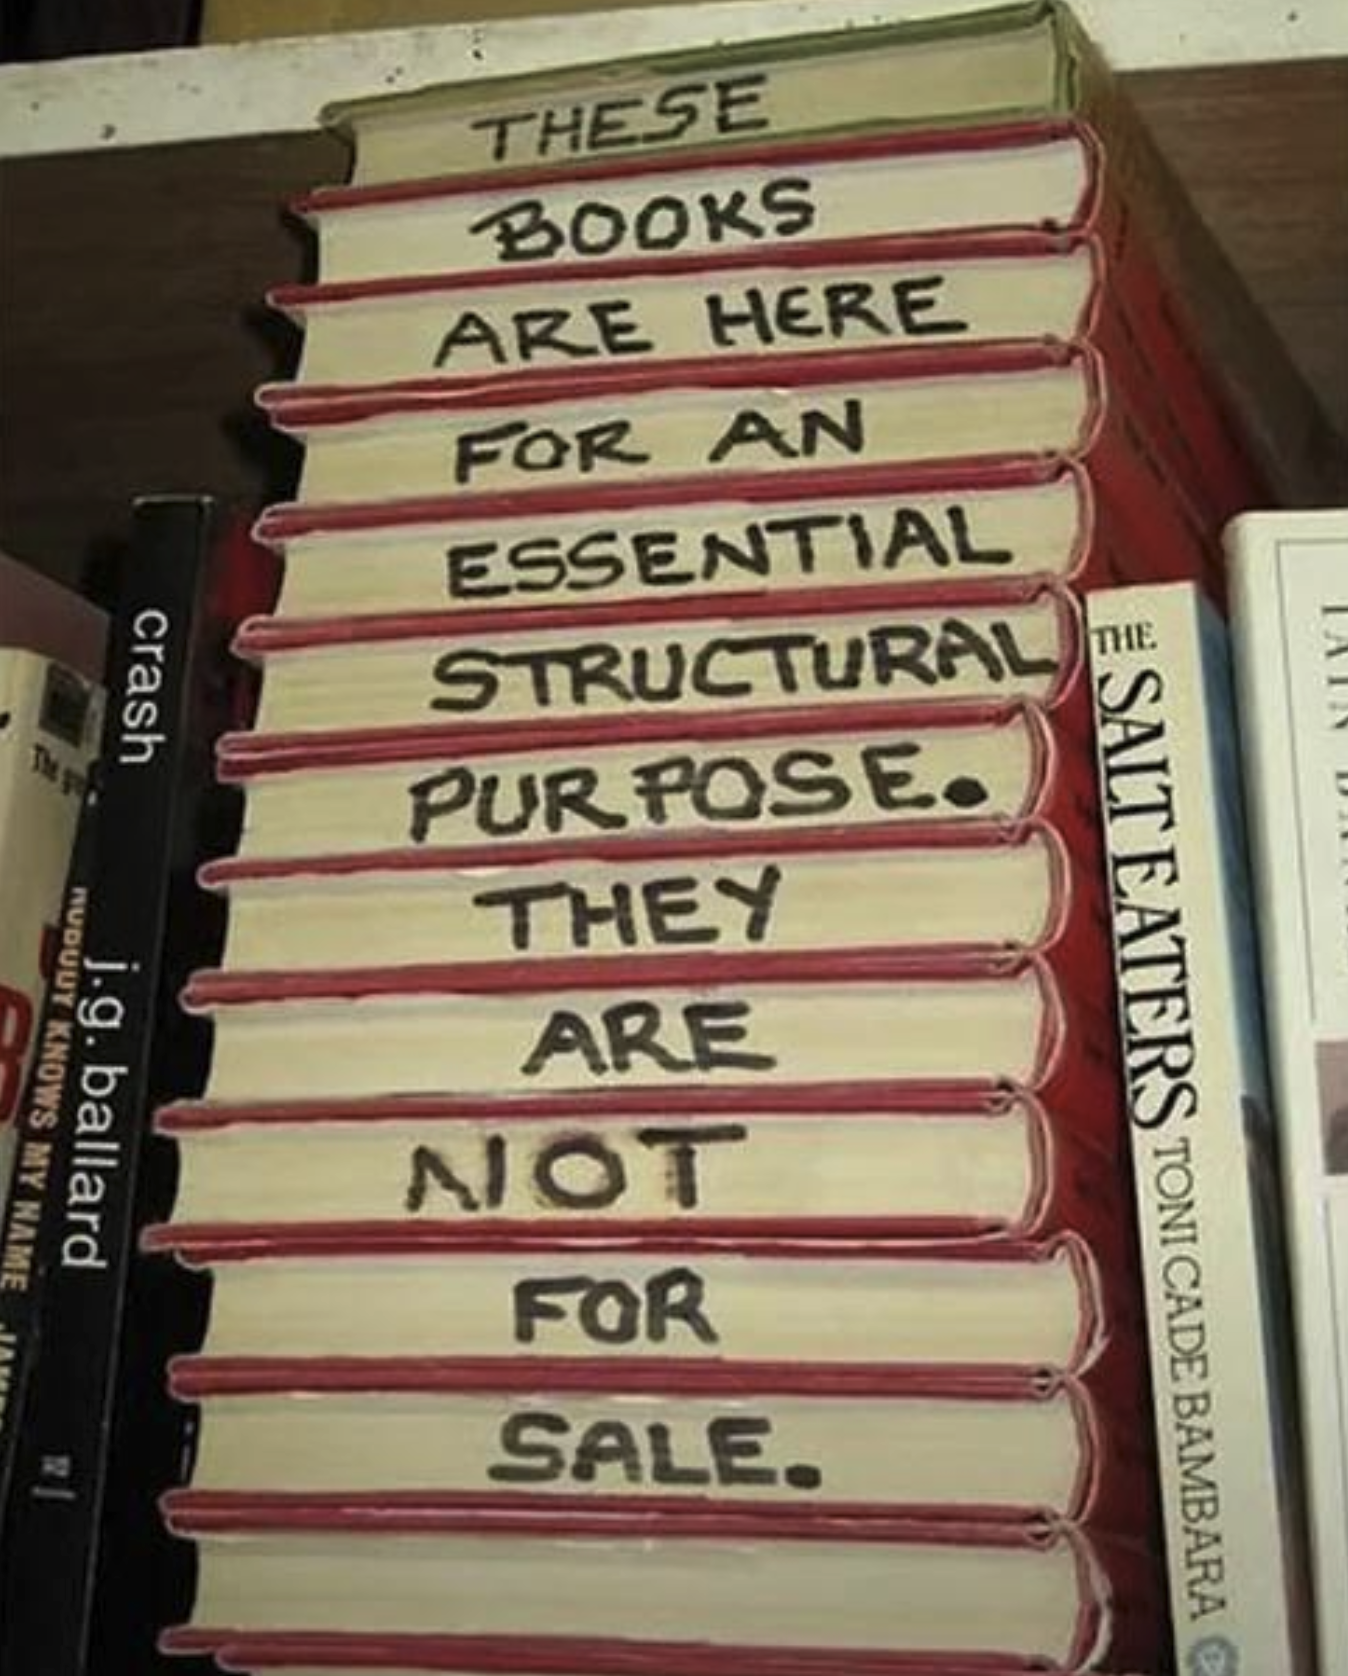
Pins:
x: 149, y: 763
x: 40, y: 1136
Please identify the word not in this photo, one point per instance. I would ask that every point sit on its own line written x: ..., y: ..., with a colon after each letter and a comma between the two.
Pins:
x: 803, y: 782
x: 542, y: 1447
x: 755, y: 666
x: 531, y: 230
x: 582, y: 1172
x: 664, y: 911
x: 792, y: 545
x: 719, y: 108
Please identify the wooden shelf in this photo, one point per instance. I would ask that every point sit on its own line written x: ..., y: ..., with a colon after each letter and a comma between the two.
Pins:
x: 132, y: 332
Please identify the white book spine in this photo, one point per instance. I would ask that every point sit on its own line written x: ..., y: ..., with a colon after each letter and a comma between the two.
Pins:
x: 1201, y: 1137
x: 1290, y: 610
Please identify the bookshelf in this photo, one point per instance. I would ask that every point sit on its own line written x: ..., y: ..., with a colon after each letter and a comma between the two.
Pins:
x: 131, y: 272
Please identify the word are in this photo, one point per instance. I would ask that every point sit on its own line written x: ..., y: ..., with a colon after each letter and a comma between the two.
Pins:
x: 700, y: 1036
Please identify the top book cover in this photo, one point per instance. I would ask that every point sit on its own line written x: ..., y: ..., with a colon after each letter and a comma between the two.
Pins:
x: 1004, y: 63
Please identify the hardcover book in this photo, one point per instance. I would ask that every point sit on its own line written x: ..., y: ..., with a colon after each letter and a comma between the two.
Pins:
x: 985, y: 65
x: 51, y: 711
x: 615, y: 547
x: 1290, y: 632
x: 1204, y: 1152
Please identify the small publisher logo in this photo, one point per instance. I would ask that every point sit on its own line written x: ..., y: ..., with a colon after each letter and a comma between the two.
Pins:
x: 1214, y: 1655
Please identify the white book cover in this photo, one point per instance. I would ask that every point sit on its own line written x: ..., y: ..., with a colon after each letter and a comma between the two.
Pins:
x: 1202, y: 1143
x: 1290, y: 616
x: 49, y: 726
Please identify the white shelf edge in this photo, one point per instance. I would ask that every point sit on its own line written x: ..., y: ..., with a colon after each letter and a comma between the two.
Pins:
x: 268, y: 87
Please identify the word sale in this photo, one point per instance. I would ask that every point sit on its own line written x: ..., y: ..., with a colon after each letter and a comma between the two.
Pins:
x: 544, y: 1447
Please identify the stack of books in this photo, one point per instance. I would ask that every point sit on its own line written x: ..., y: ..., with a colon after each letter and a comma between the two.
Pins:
x: 663, y: 1170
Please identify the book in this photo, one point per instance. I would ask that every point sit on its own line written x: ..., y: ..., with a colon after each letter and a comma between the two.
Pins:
x: 1204, y: 1155
x: 701, y: 418
x: 1021, y: 175
x: 52, y: 619
x: 1001, y: 62
x: 31, y: 1203
x: 50, y: 716
x: 611, y: 546
x: 989, y: 890
x: 298, y: 1305
x: 1289, y: 629
x: 1013, y: 1449
x: 772, y: 1590
x: 810, y: 649
x: 51, y: 670
x: 409, y: 330
x: 840, y: 1161
x: 170, y: 624
x: 651, y: 1022
x: 371, y: 791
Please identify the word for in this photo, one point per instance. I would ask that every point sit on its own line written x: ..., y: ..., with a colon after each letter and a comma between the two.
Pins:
x: 755, y: 667
x: 801, y: 783
x: 723, y: 107
x: 531, y: 230
x: 583, y: 1172
x: 541, y: 1447
x: 669, y: 912
x: 791, y: 546
x: 835, y: 311
x: 609, y: 1311
x: 524, y: 447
